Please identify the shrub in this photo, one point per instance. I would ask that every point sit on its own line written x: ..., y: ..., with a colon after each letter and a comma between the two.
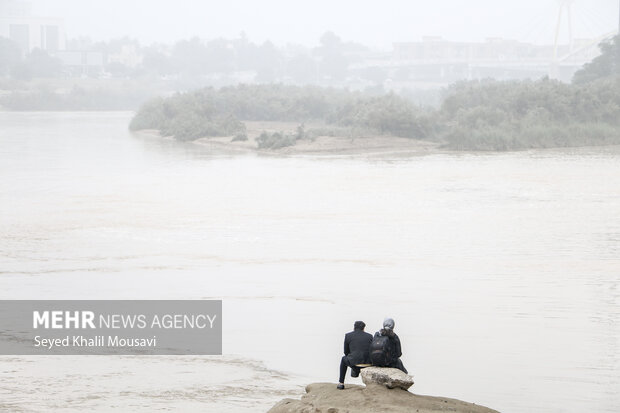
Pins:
x: 388, y: 114
x: 240, y: 137
x: 491, y: 115
x: 275, y: 140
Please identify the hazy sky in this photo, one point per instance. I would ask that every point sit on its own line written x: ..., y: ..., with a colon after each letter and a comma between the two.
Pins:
x: 376, y: 23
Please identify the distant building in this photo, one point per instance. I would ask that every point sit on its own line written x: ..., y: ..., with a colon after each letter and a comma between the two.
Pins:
x: 29, y: 32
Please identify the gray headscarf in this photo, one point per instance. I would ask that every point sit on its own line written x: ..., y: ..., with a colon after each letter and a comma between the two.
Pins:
x: 388, y: 327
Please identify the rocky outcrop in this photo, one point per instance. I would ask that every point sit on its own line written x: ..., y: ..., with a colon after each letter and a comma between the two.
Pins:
x: 388, y: 377
x: 374, y: 398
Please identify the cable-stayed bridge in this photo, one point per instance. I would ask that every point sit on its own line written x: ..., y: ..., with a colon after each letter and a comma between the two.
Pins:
x: 554, y: 44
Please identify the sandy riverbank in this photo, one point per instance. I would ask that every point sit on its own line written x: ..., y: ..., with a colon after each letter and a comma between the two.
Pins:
x: 322, y: 145
x: 367, y: 146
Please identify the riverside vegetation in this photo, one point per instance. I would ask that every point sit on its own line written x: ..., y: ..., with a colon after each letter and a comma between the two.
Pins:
x: 474, y: 115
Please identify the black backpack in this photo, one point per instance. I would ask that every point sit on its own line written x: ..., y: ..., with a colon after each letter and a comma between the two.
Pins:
x: 380, y: 351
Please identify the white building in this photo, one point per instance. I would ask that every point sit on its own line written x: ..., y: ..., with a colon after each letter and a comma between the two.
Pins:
x: 29, y: 32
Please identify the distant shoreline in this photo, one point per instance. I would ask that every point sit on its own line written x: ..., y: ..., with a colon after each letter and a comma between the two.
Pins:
x: 346, y: 146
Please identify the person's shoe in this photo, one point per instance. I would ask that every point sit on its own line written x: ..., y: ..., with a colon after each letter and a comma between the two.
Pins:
x: 355, y: 373
x: 340, y: 387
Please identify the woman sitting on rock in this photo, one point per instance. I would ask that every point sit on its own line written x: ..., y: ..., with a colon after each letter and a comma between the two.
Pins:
x: 385, y: 349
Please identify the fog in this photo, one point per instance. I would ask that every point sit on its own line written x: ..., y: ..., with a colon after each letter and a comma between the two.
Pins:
x: 452, y: 164
x: 367, y: 22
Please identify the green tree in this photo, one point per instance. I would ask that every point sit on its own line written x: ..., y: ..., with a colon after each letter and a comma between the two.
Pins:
x: 190, y: 56
x: 334, y: 63
x: 38, y: 64
x: 9, y: 55
x: 605, y: 65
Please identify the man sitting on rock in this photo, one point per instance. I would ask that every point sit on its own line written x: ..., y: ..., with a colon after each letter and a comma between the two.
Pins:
x: 356, y: 348
x: 385, y: 350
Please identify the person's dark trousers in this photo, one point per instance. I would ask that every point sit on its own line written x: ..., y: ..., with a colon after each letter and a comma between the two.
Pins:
x: 344, y: 363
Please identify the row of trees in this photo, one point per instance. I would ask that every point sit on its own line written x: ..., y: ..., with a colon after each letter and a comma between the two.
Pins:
x: 194, y: 58
x: 518, y: 115
x: 386, y: 114
x: 35, y: 64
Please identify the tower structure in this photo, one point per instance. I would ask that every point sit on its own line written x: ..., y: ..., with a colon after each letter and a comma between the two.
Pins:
x: 565, y: 8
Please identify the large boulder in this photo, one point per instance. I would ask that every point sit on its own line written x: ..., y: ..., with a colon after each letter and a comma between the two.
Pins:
x: 325, y: 398
x: 386, y: 376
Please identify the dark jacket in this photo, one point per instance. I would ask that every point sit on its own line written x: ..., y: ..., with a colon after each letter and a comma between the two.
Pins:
x: 357, y: 347
x: 395, y: 349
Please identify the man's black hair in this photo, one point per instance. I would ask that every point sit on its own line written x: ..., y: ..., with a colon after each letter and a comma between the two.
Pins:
x: 359, y: 325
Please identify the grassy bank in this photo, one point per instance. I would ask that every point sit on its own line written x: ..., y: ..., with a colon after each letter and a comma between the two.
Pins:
x: 485, y: 115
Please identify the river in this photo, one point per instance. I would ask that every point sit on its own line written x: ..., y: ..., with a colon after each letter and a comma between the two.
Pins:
x: 502, y: 270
